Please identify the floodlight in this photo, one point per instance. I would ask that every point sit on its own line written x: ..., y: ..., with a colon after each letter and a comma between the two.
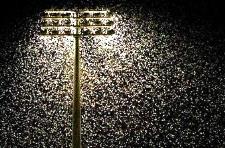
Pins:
x: 76, y: 23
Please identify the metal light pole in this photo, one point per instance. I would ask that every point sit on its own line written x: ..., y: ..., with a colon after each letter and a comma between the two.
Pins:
x: 76, y: 23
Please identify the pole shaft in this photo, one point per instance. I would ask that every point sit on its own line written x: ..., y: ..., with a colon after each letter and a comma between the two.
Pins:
x: 76, y: 98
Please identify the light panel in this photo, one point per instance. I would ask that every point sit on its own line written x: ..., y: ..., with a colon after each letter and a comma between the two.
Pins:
x: 92, y: 22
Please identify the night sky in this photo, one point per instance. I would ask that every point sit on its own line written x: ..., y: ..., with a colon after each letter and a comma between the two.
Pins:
x: 159, y: 81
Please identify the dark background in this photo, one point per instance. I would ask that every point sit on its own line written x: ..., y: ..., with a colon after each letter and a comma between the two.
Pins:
x: 209, y: 12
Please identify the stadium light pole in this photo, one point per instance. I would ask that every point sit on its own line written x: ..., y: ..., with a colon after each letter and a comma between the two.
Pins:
x: 76, y: 23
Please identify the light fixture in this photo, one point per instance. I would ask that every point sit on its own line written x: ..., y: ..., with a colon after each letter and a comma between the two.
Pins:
x: 78, y: 24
